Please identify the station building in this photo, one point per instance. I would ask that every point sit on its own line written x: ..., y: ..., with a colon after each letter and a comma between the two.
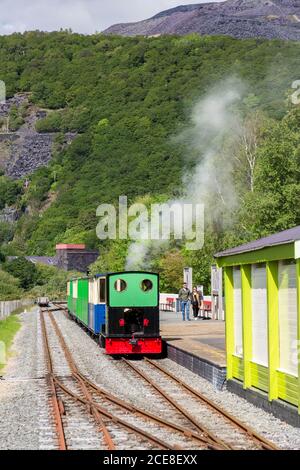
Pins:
x: 69, y: 257
x: 262, y: 301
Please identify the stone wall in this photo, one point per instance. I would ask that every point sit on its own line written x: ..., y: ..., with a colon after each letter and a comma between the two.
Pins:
x: 76, y: 260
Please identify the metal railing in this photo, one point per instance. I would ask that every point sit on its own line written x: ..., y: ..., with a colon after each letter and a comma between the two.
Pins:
x: 167, y: 307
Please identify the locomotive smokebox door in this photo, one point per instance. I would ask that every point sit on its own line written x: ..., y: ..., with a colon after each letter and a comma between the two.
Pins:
x: 132, y: 309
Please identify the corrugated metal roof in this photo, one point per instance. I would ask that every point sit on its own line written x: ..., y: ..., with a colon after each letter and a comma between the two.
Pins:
x: 48, y: 260
x: 280, y: 238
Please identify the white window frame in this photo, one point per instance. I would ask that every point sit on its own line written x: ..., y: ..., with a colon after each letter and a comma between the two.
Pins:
x: 237, y: 312
x: 259, y: 316
x: 288, y: 317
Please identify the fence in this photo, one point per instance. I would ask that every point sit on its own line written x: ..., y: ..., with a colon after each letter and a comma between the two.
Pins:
x: 6, y: 308
x: 168, y: 307
x: 212, y: 305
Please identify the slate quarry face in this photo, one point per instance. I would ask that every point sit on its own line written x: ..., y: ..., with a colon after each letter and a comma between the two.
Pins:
x: 25, y: 150
x: 277, y: 19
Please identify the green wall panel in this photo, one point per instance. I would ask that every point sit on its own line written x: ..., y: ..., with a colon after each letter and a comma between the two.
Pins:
x: 288, y: 388
x: 133, y: 295
x: 82, y: 300
x: 237, y: 368
x: 259, y: 377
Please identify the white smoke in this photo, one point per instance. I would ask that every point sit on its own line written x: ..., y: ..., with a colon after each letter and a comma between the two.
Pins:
x: 208, y: 174
x: 216, y: 125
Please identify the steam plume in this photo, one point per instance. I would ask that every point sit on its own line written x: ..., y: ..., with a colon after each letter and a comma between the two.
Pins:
x: 209, y: 140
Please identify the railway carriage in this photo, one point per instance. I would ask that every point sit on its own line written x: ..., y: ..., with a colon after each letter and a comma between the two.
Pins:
x: 121, y: 309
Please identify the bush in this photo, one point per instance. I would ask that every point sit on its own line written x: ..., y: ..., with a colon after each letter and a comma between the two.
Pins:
x: 9, y: 191
x: 9, y: 287
x: 51, y: 123
x: 24, y: 270
x: 52, y: 282
x: 6, y: 233
x: 171, y: 271
x: 15, y: 119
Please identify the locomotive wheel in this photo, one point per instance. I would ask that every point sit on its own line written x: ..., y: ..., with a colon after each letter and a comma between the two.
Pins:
x: 102, y: 341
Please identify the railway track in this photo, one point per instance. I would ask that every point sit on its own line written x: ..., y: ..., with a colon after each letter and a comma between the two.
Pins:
x: 203, y: 414
x: 87, y: 416
x: 200, y: 421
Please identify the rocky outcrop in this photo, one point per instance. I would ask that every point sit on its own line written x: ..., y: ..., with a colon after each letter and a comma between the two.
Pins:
x: 16, y: 100
x: 24, y: 151
x: 277, y: 19
x: 9, y: 215
x: 29, y: 152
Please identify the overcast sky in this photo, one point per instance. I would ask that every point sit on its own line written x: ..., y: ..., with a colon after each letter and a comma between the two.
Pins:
x: 84, y: 16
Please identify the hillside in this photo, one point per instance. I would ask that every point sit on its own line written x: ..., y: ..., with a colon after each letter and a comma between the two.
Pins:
x: 276, y: 19
x: 125, y: 101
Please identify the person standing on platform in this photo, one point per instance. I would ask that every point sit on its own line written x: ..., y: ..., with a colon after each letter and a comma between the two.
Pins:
x: 201, y: 305
x: 195, y: 302
x: 184, y: 296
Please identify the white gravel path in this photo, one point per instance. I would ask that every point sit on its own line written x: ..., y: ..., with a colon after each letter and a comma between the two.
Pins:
x: 24, y: 414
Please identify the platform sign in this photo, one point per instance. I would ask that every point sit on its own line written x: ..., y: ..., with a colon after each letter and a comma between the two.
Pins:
x: 188, y: 277
x: 216, y: 280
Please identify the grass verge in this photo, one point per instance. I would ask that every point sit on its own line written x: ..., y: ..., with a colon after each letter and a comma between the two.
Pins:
x: 8, y: 329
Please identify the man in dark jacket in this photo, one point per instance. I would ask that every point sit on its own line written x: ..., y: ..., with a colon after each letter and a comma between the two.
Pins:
x: 184, y: 296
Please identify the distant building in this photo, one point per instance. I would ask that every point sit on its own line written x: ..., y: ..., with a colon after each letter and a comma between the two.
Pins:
x: 69, y: 257
x: 72, y: 257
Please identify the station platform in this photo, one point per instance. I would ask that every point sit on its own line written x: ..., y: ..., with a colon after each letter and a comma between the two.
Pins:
x: 197, y: 345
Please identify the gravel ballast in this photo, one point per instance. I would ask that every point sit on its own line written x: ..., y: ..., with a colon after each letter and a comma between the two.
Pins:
x: 25, y: 420
x: 24, y: 411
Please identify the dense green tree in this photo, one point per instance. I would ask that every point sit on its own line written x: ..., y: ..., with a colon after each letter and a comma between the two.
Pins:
x: 9, y: 191
x: 126, y: 99
x: 15, y: 119
x: 273, y: 206
x: 23, y: 270
x: 171, y: 271
x: 9, y: 287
